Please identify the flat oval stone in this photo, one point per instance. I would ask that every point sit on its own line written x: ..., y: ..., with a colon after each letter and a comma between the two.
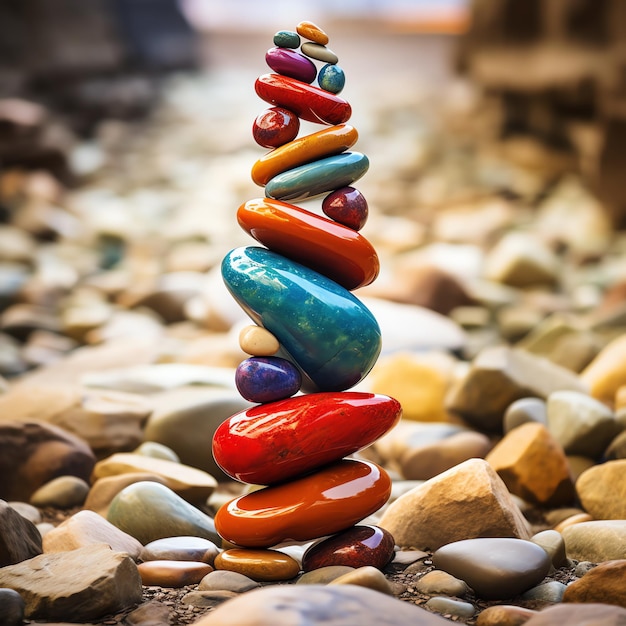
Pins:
x: 495, y: 568
x: 319, y: 52
x: 258, y: 341
x: 313, y: 32
x: 331, y: 78
x: 328, y: 332
x: 321, y: 176
x: 306, y: 101
x: 338, y: 252
x: 275, y: 127
x: 330, y: 426
x: 320, y: 144
x: 259, y: 565
x: 286, y: 39
x: 266, y: 379
x: 291, y: 63
x: 172, y: 573
x: 324, y: 575
x: 347, y: 206
x: 184, y: 548
x: 356, y: 547
x: 224, y: 580
x: 332, y: 499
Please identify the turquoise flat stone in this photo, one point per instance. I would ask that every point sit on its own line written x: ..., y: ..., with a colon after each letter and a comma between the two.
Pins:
x: 318, y: 177
x: 323, y: 328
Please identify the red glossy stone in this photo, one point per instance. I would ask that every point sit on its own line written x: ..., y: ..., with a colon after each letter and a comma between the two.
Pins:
x: 356, y: 547
x: 321, y: 244
x: 333, y: 499
x: 306, y: 101
x: 275, y: 127
x: 279, y: 440
x: 347, y: 206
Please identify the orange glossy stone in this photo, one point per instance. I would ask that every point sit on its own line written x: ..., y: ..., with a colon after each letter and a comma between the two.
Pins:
x: 321, y: 244
x: 333, y: 499
x: 260, y: 565
x: 173, y: 573
x: 312, y: 32
x: 323, y: 143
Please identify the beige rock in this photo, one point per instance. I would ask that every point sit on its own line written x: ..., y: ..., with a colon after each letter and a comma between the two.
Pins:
x: 607, y: 372
x: 258, y: 341
x: 572, y: 520
x: 63, y: 492
x: 438, y: 582
x: 579, y: 615
x: 602, y: 490
x: 504, y: 615
x: 604, y: 584
x: 596, y: 541
x: 533, y: 466
x: 366, y: 576
x: 498, y: 376
x: 192, y: 484
x: 467, y: 501
x: 87, y: 528
x: 173, y: 573
x: 552, y: 542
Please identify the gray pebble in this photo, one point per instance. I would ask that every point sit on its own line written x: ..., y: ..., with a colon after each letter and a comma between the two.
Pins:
x: 448, y: 606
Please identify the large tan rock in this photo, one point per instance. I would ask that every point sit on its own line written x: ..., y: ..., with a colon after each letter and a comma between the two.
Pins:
x: 467, y: 501
x: 533, y: 466
x: 607, y: 372
x: 602, y: 490
x: 579, y: 615
x: 604, y: 584
x: 596, y: 540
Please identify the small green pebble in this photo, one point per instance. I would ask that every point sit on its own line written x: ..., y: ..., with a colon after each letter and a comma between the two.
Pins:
x: 286, y: 39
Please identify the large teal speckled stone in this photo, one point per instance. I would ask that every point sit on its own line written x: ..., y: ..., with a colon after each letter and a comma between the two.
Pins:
x: 328, y: 332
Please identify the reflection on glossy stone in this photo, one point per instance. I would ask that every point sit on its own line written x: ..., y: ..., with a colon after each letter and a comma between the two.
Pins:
x: 291, y: 63
x: 275, y: 127
x: 347, y: 206
x: 260, y: 565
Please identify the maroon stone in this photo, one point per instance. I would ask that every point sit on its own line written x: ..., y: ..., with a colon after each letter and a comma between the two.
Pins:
x: 275, y: 127
x: 347, y: 206
x: 291, y: 63
x: 356, y: 547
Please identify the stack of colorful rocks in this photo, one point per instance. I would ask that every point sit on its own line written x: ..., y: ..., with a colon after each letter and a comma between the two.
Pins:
x: 311, y: 332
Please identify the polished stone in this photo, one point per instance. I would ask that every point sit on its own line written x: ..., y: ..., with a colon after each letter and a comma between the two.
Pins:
x: 319, y: 177
x: 164, y: 573
x: 184, y: 548
x: 331, y: 78
x: 258, y: 341
x: 257, y: 445
x: 338, y: 252
x: 306, y: 101
x: 259, y: 565
x: 274, y: 127
x: 328, y: 332
x: 266, y: 379
x: 311, y: 147
x: 356, y: 547
x: 331, y: 500
x: 347, y: 206
x: 312, y: 32
x: 286, y: 39
x: 291, y: 63
x: 319, y: 52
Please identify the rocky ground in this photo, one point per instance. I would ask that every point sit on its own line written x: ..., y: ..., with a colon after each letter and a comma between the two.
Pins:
x: 501, y: 302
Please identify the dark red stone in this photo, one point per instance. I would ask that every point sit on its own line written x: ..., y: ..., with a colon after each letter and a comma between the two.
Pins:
x: 347, y: 206
x: 291, y: 63
x: 356, y: 547
x: 275, y: 127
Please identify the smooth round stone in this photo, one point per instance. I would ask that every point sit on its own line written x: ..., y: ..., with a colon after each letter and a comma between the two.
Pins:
x: 366, y: 576
x: 63, y: 492
x: 275, y: 127
x: 525, y: 410
x: 448, y: 606
x: 347, y: 206
x: 495, y: 568
x: 329, y: 425
x: 207, y: 598
x: 306, y: 101
x: 312, y: 32
x: 225, y: 580
x: 551, y: 591
x: 438, y: 582
x: 286, y: 39
x: 319, y: 52
x: 504, y: 615
x: 333, y: 499
x: 291, y: 63
x: 331, y: 78
x: 313, y: 179
x: 260, y: 565
x: 184, y: 548
x: 156, y: 450
x: 324, y: 575
x: 328, y: 332
x: 311, y: 147
x: 554, y: 544
x: 172, y: 573
x: 332, y: 249
x: 12, y: 607
x: 258, y: 341
x: 356, y: 547
x: 267, y: 378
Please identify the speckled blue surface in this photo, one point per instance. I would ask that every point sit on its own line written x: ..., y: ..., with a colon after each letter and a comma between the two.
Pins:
x: 331, y: 78
x: 318, y: 177
x: 327, y: 331
x: 267, y: 378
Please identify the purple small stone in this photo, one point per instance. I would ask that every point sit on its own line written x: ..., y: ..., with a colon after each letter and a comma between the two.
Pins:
x: 291, y: 63
x: 347, y: 206
x: 266, y: 379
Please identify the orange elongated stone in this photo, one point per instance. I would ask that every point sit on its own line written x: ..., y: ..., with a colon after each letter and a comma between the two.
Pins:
x: 306, y: 101
x: 323, y: 143
x: 333, y: 499
x: 313, y: 32
x: 338, y: 252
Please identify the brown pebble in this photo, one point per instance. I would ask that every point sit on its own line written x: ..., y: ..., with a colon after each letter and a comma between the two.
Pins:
x: 173, y: 573
x: 504, y: 615
x: 260, y: 565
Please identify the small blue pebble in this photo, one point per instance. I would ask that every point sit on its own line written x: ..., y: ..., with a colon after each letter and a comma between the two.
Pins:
x: 286, y: 39
x: 331, y: 78
x: 267, y: 379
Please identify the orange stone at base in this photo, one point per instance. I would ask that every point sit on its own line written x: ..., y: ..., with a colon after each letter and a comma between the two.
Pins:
x: 260, y: 565
x: 173, y: 574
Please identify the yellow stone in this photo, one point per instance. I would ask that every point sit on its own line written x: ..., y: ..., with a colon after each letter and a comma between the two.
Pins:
x: 258, y: 341
x: 579, y: 518
x: 607, y: 372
